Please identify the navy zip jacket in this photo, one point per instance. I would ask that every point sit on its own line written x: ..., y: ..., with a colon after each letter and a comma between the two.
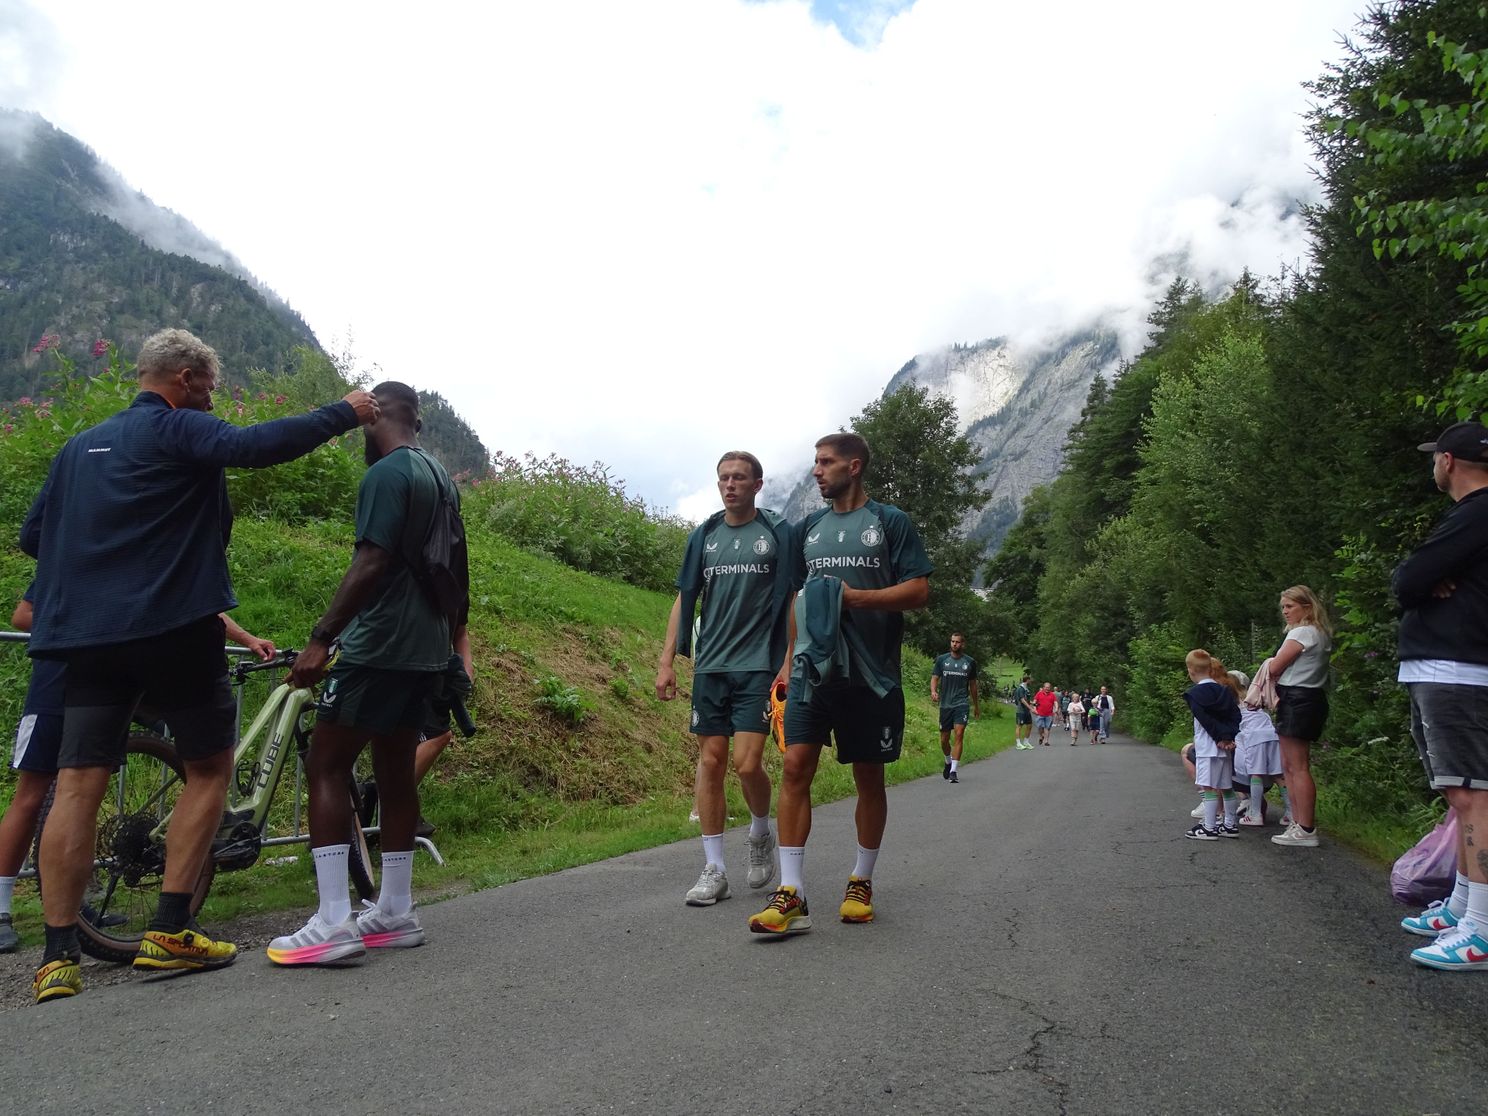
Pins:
x: 690, y: 581
x: 130, y: 529
x: 1216, y: 708
x: 1455, y: 627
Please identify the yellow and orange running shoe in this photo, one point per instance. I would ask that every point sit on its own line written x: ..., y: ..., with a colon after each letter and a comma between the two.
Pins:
x: 785, y: 914
x: 777, y: 715
x: 858, y: 905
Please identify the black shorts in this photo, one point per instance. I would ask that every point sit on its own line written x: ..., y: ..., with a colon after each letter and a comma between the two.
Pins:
x: 867, y: 728
x: 1301, y: 712
x: 1450, y: 726
x: 731, y: 702
x: 438, y: 722
x: 376, y: 700
x: 955, y: 715
x: 1021, y: 716
x: 182, y: 673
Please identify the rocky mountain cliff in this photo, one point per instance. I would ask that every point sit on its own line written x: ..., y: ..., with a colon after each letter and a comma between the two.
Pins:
x: 1015, y: 406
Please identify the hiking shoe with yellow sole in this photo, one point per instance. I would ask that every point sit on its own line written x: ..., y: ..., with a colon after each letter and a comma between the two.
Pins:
x: 858, y: 905
x: 57, y: 980
x: 786, y: 913
x: 184, y: 950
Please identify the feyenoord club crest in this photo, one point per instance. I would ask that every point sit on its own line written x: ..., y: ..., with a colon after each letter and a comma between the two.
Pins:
x: 762, y: 546
x: 871, y: 536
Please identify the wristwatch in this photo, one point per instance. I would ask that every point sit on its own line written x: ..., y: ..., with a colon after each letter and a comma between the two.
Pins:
x: 320, y: 635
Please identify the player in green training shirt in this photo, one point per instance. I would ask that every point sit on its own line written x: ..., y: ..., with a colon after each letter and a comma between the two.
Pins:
x: 859, y: 565
x: 953, y: 684
x: 735, y: 564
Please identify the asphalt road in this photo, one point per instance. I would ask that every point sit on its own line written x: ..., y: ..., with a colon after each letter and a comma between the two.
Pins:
x: 1046, y: 942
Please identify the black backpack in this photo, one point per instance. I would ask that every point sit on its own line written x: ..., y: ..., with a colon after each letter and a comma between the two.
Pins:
x: 444, y: 562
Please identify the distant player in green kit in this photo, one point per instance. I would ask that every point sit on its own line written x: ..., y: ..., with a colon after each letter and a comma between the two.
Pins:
x: 858, y: 566
x: 953, y: 683
x: 736, y: 563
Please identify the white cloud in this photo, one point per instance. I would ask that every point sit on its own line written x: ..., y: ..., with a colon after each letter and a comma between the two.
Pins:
x: 643, y: 232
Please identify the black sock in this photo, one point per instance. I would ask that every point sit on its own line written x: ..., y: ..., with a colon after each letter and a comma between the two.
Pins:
x: 1308, y: 828
x: 61, y: 944
x: 173, y: 913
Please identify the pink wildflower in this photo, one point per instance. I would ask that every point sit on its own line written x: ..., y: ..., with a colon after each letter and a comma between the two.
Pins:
x: 100, y: 348
x: 9, y: 429
x: 24, y: 401
x: 280, y: 398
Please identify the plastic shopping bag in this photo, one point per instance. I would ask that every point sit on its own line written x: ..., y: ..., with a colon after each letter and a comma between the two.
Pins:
x: 1428, y: 872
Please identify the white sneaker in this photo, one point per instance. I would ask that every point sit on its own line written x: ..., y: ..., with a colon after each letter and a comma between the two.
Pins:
x: 1297, y: 837
x: 1197, y: 811
x: 318, y: 943
x: 1250, y: 819
x: 712, y: 886
x: 1286, y: 819
x: 381, y: 930
x: 761, y: 860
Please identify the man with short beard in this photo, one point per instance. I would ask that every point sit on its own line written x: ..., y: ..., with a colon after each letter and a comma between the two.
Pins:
x: 130, y: 534
x: 860, y: 566
x: 395, y: 647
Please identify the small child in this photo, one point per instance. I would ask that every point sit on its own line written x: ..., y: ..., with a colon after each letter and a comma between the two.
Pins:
x: 1094, y: 723
x: 1257, y: 753
x: 1076, y: 711
x: 1216, y: 724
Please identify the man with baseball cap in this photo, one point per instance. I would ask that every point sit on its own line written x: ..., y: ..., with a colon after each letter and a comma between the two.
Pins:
x: 1442, y: 588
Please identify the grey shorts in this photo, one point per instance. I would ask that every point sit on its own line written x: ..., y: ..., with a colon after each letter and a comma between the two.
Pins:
x: 1450, y: 726
x: 731, y: 702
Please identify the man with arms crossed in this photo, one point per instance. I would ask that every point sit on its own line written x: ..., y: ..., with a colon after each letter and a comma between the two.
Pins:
x: 130, y: 534
x: 1442, y: 589
x: 736, y: 562
x: 1023, y: 713
x: 953, y: 684
x: 876, y: 553
x: 395, y: 648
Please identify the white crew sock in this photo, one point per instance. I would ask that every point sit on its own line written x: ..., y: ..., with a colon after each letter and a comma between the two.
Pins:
x: 1477, y: 906
x: 955, y: 764
x: 1257, y: 797
x: 396, y: 896
x: 1231, y: 808
x: 331, y: 881
x: 1457, y: 904
x: 792, y: 865
x: 713, y: 850
x: 759, y: 825
x: 7, y: 892
x: 867, y: 858
x: 1211, y: 809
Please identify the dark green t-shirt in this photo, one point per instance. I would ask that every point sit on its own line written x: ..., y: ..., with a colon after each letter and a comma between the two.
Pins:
x: 1022, y: 695
x: 956, y: 676
x: 873, y: 547
x: 738, y: 583
x: 400, y: 629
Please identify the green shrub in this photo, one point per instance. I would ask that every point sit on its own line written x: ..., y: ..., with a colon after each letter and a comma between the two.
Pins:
x: 562, y: 700
x: 580, y: 516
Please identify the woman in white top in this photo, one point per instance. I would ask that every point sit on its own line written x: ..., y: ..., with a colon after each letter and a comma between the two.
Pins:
x: 1300, y: 667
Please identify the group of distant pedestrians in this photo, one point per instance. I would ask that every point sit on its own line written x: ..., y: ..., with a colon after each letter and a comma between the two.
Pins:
x: 1072, y: 711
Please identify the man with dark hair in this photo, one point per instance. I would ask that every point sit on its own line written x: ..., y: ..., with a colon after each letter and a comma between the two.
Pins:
x: 737, y: 563
x: 395, y: 647
x: 859, y: 566
x: 1023, y: 713
x: 130, y: 534
x: 1442, y: 589
x: 953, y: 686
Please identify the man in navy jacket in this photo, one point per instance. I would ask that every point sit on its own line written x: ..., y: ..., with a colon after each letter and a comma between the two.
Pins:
x: 130, y: 533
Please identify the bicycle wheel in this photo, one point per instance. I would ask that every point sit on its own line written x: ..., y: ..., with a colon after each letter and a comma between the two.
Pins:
x: 129, y: 862
x: 359, y: 859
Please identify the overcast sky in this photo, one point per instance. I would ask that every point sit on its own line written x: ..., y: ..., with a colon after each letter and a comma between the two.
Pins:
x: 644, y: 231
